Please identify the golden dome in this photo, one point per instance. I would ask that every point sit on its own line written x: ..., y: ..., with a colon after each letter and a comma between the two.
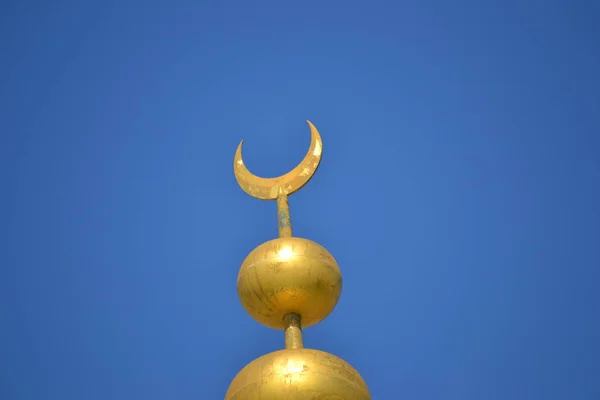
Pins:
x: 298, y: 374
x: 289, y: 275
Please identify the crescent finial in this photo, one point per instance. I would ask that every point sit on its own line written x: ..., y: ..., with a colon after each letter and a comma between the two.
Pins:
x: 271, y: 188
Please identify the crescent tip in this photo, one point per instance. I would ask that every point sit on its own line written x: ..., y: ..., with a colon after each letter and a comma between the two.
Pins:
x: 316, y: 144
x: 238, y: 160
x: 239, y: 149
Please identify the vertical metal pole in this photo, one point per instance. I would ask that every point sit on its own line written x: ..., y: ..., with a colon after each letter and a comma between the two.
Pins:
x: 283, y: 215
x: 293, y: 331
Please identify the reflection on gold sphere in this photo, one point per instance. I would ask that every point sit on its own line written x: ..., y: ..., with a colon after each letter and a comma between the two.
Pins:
x: 298, y: 374
x: 289, y: 275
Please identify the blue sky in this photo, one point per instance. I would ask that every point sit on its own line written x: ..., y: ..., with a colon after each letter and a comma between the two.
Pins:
x: 458, y: 192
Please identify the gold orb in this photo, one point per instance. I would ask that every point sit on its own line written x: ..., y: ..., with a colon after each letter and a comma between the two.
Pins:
x: 298, y: 374
x: 289, y: 275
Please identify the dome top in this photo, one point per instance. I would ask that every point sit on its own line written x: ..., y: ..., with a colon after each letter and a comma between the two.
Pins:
x: 298, y: 374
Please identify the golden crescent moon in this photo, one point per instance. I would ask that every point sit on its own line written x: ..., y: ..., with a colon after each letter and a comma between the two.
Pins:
x: 271, y: 188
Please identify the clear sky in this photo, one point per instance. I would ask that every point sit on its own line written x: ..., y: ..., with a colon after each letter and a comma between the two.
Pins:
x: 459, y: 192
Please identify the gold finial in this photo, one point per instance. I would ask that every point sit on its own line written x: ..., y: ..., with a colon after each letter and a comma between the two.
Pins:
x: 291, y: 283
x: 288, y: 274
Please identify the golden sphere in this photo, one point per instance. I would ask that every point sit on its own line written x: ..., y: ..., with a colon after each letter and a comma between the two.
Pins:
x: 289, y: 275
x: 298, y: 374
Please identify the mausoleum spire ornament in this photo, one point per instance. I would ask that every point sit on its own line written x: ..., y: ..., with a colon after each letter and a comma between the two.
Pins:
x: 291, y: 283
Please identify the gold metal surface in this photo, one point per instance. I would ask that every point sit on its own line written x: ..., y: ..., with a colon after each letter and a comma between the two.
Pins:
x: 298, y: 374
x: 283, y: 216
x: 293, y: 331
x: 271, y: 188
x: 289, y: 275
